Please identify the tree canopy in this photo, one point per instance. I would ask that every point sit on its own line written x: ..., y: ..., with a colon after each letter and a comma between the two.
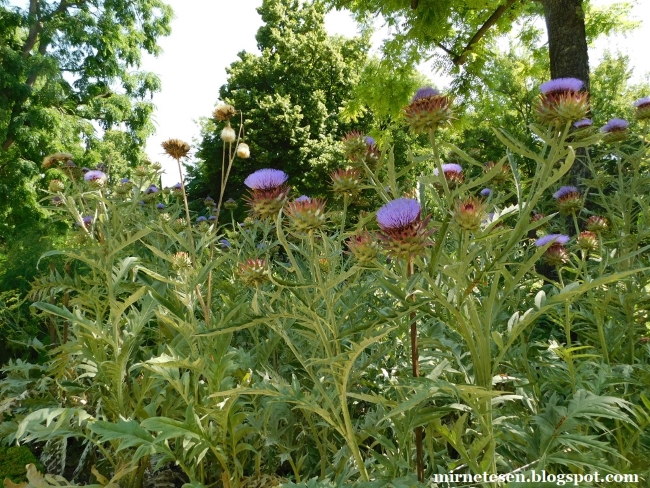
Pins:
x: 292, y: 97
x: 70, y: 68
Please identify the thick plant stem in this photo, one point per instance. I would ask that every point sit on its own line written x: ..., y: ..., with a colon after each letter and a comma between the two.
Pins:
x: 415, y: 361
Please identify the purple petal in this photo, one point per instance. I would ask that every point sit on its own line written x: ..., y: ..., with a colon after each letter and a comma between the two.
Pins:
x: 581, y: 124
x: 561, y: 85
x: 615, y: 124
x: 398, y: 213
x: 453, y: 167
x: 556, y: 238
x: 564, y: 191
x: 425, y: 92
x: 266, y: 179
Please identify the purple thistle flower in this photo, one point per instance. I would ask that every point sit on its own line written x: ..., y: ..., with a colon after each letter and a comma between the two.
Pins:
x: 152, y: 189
x: 177, y: 186
x: 486, y: 192
x: 266, y: 179
x: 87, y: 220
x: 94, y: 175
x: 57, y: 200
x: 449, y: 167
x: 615, y: 125
x: 160, y: 206
x: 370, y: 141
x: 561, y: 85
x: 564, y: 191
x: 225, y: 244
x: 302, y: 198
x: 425, y: 92
x: 554, y: 238
x: 141, y: 202
x: 642, y: 102
x: 398, y: 214
x: 201, y: 219
x: 212, y: 218
x: 125, y: 180
x: 581, y: 124
x: 85, y: 169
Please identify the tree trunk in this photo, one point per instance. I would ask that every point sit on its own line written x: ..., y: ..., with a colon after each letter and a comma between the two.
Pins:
x: 569, y: 56
x: 567, y: 42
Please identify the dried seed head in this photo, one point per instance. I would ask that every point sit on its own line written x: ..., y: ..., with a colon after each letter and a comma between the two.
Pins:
x: 54, y: 159
x: 176, y: 148
x: 243, y: 151
x: 228, y: 134
x: 223, y: 112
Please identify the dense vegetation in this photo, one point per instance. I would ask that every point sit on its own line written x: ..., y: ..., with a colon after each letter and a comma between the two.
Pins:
x: 444, y: 299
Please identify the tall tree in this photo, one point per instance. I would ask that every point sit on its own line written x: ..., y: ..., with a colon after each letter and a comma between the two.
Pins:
x: 460, y: 29
x: 292, y: 97
x: 67, y: 65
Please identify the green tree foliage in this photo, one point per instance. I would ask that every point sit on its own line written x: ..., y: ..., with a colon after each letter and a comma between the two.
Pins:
x: 292, y: 97
x: 67, y: 67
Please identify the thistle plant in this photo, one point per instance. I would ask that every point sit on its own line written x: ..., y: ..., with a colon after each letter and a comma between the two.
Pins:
x: 464, y: 308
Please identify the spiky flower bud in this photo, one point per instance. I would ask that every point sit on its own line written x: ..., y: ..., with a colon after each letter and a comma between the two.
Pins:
x: 556, y: 254
x: 141, y: 171
x: 165, y: 217
x: 346, y: 182
x: 57, y: 201
x: 355, y: 146
x: 568, y: 199
x: 469, y: 213
x: 615, y: 130
x: 428, y: 110
x: 223, y: 112
x: 176, y: 148
x: 587, y: 240
x: 179, y: 224
x: 156, y: 166
x: 243, y: 151
x: 209, y: 201
x: 404, y: 234
x: 306, y: 214
x: 562, y: 101
x: 56, y: 186
x: 123, y: 187
x: 268, y: 192
x: 253, y: 272
x: 160, y: 206
x: 364, y: 246
x: 230, y: 204
x: 502, y: 175
x: 228, y: 134
x: 181, y: 261
x: 596, y: 223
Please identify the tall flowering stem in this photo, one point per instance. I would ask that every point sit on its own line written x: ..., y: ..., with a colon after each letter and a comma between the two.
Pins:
x: 415, y: 362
